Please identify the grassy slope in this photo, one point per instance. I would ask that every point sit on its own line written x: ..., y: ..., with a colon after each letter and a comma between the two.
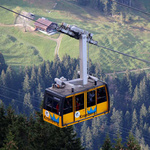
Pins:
x: 106, y: 31
x: 21, y: 48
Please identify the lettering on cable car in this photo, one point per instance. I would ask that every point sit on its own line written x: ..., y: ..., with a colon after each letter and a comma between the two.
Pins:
x: 86, y: 115
x: 48, y: 119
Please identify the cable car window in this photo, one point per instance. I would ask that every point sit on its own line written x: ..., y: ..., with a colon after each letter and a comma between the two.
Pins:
x: 48, y: 103
x: 91, y: 98
x: 55, y: 107
x: 52, y: 103
x: 79, y: 102
x: 101, y: 95
x: 67, y: 105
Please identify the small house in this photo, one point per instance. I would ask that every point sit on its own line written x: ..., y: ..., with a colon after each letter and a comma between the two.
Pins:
x: 45, y: 25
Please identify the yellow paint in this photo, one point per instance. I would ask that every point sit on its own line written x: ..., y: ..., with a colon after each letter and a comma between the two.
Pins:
x: 48, y: 119
x: 71, y: 118
x: 68, y: 118
x: 101, y: 107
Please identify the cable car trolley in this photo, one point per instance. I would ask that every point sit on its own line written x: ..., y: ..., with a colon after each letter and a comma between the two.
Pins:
x: 70, y: 102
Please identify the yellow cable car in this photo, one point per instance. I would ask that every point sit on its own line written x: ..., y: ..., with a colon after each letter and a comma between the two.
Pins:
x: 70, y: 102
x: 64, y: 106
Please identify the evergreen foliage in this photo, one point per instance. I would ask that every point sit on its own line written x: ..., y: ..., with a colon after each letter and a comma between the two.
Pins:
x: 18, y: 132
x: 130, y: 106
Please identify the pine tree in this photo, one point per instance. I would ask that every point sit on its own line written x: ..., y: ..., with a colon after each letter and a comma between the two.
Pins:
x: 134, y: 120
x: 127, y: 119
x: 3, y: 83
x: 107, y: 145
x: 3, y: 124
x: 27, y: 105
x: 143, y: 113
x: 33, y: 80
x: 26, y: 84
x: 83, y: 132
x: 113, y: 8
x: 116, y: 120
x: 136, y: 95
x: 118, y: 145
x: 3, y: 66
x: 54, y: 138
x: 132, y: 144
x: 94, y: 127
x: 88, y: 139
x: 105, y: 2
x: 9, y: 142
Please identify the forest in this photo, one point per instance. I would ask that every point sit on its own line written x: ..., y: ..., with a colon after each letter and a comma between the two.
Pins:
x: 127, y: 124
x: 106, y: 6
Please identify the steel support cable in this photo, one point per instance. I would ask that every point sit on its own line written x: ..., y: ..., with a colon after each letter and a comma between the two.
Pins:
x: 133, y: 57
x: 19, y: 101
x: 136, y: 9
x: 126, y: 130
x: 22, y: 15
x: 97, y: 45
x: 19, y: 94
x: 110, y: 132
x: 122, y: 129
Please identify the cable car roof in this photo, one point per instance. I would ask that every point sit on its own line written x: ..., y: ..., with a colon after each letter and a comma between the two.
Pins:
x: 67, y: 90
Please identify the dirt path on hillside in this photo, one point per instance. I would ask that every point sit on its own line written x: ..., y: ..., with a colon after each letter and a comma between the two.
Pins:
x: 59, y: 39
x: 6, y: 25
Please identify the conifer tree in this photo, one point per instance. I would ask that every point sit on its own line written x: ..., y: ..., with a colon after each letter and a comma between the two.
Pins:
x: 33, y: 79
x: 118, y: 143
x: 3, y: 83
x: 26, y: 84
x: 113, y: 8
x: 3, y: 66
x: 88, y: 139
x: 134, y: 120
x: 136, y: 95
x: 83, y: 132
x: 116, y: 120
x: 3, y: 123
x: 9, y: 142
x: 132, y: 143
x: 107, y: 145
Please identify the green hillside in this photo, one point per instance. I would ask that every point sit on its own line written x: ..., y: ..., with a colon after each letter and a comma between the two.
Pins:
x: 128, y: 33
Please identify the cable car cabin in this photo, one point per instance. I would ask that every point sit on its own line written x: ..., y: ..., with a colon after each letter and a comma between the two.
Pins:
x: 72, y: 102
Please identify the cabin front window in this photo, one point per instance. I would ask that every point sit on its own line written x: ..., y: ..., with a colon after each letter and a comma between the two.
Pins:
x: 52, y: 104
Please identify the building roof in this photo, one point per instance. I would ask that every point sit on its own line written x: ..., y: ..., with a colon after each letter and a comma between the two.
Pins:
x: 44, y: 23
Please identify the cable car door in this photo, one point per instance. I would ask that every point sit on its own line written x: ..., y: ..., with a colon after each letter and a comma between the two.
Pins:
x: 68, y: 115
x: 91, y: 103
x: 79, y: 106
x: 102, y: 99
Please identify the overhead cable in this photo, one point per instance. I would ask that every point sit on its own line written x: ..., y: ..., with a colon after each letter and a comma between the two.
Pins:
x: 95, y: 44
x: 136, y: 9
x: 22, y: 15
x: 16, y: 92
x: 124, y: 54
x: 19, y: 101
